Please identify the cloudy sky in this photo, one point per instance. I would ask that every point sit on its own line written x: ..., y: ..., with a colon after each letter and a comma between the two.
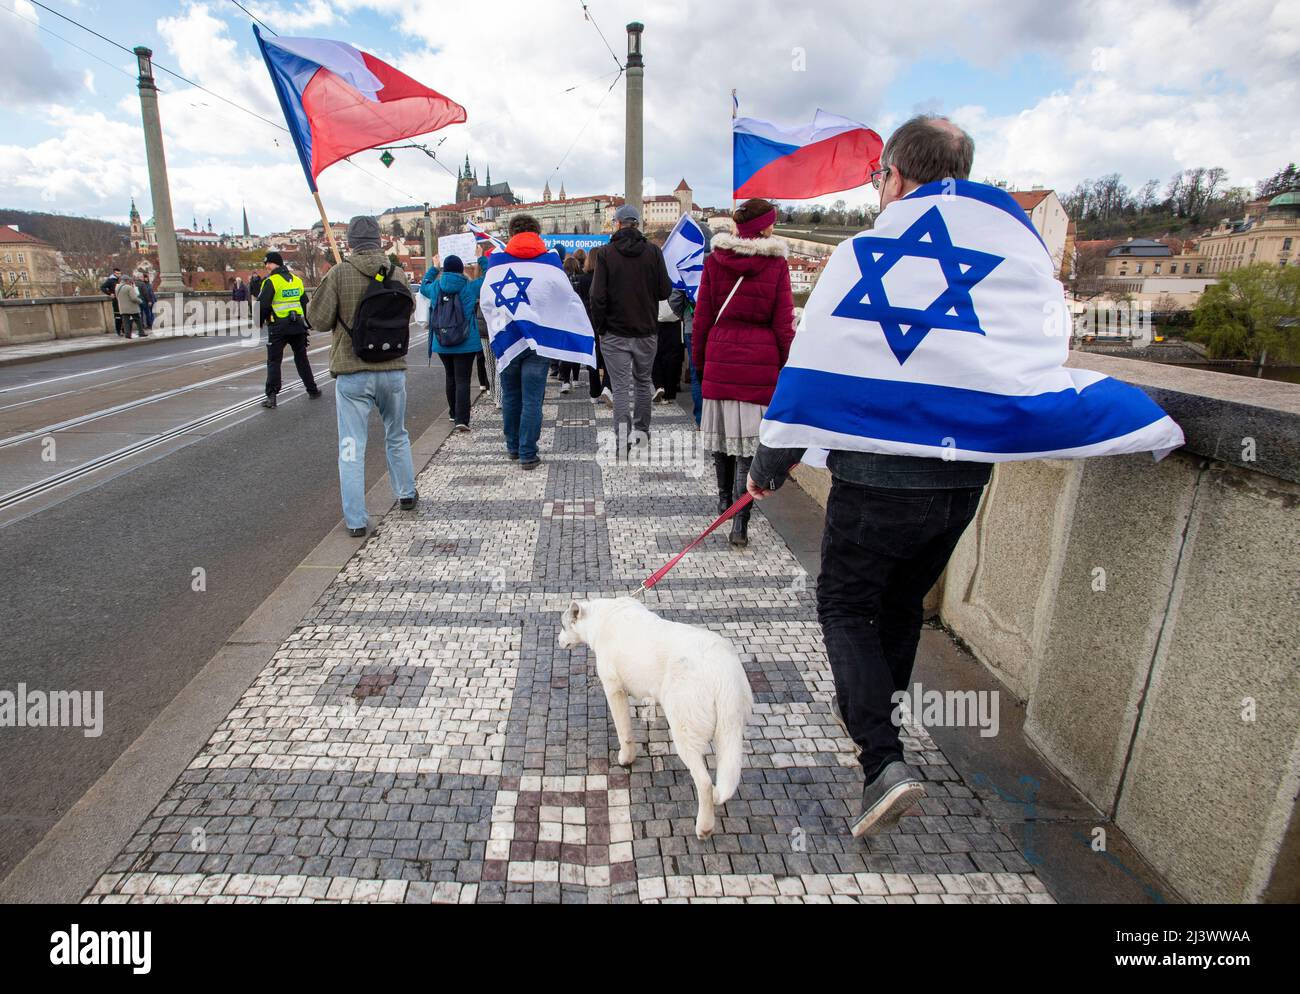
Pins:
x: 1052, y: 93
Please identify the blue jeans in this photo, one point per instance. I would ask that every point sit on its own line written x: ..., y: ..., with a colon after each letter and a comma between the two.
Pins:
x: 357, y: 394
x: 523, y: 386
x: 697, y: 388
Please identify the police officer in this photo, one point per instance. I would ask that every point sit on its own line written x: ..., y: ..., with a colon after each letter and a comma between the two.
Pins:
x: 283, y: 305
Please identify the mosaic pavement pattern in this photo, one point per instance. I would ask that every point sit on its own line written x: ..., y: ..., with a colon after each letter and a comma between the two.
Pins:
x: 422, y: 738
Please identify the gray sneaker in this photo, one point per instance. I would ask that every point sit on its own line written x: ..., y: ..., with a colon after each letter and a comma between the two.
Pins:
x: 887, y: 798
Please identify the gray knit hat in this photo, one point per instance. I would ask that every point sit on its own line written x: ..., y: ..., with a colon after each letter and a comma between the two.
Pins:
x: 363, y: 234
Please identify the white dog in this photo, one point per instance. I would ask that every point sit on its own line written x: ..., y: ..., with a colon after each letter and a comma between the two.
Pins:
x: 695, y: 675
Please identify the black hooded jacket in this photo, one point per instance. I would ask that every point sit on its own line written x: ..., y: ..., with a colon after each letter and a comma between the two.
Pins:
x: 629, y: 282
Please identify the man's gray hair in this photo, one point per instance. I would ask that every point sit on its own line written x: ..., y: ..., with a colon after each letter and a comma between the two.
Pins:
x: 928, y: 148
x: 522, y: 224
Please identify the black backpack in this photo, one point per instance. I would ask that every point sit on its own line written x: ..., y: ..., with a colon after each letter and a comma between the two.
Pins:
x: 448, y: 322
x: 381, y: 327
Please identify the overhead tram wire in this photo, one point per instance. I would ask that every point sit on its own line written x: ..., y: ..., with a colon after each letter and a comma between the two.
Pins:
x: 212, y: 93
x: 255, y: 17
x: 586, y: 13
x: 583, y: 131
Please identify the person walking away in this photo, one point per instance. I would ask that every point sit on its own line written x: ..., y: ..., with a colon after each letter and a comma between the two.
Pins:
x: 284, y: 306
x: 486, y: 377
x: 255, y: 292
x: 109, y: 289
x: 684, y: 307
x: 630, y: 280
x: 569, y: 370
x: 360, y: 386
x: 667, y: 369
x: 895, y: 514
x: 488, y: 357
x: 453, y: 331
x: 598, y: 376
x: 239, y: 297
x: 128, y: 305
x: 534, y: 316
x: 148, y: 299
x: 744, y: 324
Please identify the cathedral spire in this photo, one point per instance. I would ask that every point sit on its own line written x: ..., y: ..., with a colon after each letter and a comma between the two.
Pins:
x: 247, y: 232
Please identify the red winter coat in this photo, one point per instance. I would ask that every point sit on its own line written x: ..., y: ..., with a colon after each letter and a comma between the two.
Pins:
x: 742, y: 353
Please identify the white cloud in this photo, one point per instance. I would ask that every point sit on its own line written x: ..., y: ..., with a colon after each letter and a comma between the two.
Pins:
x: 28, y: 72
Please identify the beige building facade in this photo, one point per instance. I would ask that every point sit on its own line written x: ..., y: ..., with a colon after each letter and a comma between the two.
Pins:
x: 1270, y: 234
x: 29, y: 267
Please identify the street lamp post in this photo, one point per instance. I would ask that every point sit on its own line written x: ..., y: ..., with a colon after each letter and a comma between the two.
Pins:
x: 169, y: 263
x: 634, y: 168
x: 428, y: 237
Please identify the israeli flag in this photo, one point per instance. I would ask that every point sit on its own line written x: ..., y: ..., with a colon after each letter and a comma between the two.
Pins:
x: 943, y: 332
x: 684, y: 256
x: 530, y: 303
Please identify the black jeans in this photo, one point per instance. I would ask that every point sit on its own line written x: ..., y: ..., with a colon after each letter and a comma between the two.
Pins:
x: 482, y: 371
x: 667, y: 370
x: 882, y: 552
x: 275, y: 355
x: 598, y: 375
x: 460, y: 370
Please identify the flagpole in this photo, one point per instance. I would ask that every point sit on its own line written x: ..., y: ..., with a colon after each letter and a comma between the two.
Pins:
x: 733, y: 151
x: 329, y: 232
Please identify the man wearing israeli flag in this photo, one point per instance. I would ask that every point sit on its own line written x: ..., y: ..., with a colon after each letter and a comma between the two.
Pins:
x: 932, y: 347
x: 533, y: 316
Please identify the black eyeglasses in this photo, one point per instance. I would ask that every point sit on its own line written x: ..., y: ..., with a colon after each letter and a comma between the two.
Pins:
x: 878, y: 178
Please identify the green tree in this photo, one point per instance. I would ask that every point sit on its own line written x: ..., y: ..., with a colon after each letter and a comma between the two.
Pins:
x: 1287, y: 178
x: 1251, y: 313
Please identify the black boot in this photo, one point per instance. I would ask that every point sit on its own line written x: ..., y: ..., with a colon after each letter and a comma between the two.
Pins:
x: 725, y: 466
x: 740, y: 523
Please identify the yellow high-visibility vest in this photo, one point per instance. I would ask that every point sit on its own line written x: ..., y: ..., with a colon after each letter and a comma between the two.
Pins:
x: 288, y: 296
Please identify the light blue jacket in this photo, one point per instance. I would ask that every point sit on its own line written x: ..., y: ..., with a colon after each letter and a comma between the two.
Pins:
x: 435, y: 282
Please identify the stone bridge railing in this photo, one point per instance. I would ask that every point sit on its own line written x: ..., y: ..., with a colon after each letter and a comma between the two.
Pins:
x: 1148, y: 615
x: 46, y: 319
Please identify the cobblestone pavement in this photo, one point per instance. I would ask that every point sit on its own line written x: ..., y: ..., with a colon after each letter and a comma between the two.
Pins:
x: 421, y: 736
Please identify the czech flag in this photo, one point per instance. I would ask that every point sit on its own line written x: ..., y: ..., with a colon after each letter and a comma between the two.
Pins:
x: 482, y: 238
x: 338, y: 100
x: 829, y: 155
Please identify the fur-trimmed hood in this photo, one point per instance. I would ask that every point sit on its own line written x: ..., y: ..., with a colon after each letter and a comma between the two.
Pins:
x: 770, y: 246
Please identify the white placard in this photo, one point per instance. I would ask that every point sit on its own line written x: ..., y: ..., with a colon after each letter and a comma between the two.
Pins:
x: 461, y: 245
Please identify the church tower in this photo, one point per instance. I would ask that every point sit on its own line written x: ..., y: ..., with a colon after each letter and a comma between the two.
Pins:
x: 137, y: 229
x: 247, y: 232
x: 465, y: 182
x: 546, y: 194
x: 563, y: 196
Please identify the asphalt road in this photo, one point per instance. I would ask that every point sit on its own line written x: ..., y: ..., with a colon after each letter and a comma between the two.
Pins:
x: 96, y: 590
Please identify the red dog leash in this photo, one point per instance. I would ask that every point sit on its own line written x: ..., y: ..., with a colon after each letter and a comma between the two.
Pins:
x: 731, y: 512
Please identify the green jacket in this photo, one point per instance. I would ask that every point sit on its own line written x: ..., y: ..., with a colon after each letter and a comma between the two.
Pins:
x: 337, y: 298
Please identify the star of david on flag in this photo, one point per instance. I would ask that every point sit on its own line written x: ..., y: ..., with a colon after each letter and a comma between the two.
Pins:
x: 906, y: 327
x: 520, y: 295
x: 943, y: 333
